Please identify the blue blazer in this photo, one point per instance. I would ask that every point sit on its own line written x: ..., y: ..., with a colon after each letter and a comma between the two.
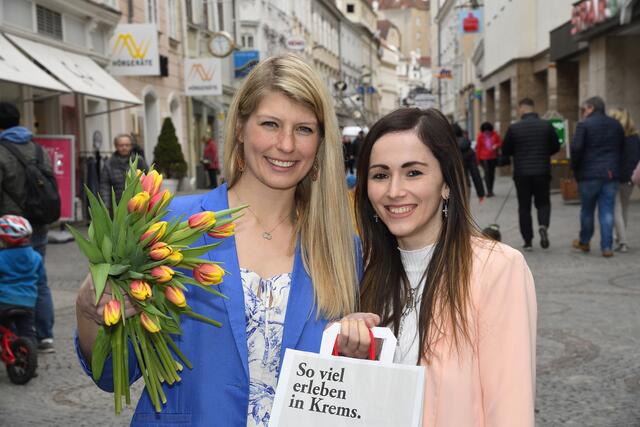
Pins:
x: 216, y: 391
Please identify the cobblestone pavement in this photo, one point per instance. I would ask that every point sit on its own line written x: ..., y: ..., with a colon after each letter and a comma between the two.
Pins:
x: 588, y: 333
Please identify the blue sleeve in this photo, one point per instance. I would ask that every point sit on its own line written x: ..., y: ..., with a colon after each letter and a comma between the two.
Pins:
x: 106, y: 380
x: 358, y: 247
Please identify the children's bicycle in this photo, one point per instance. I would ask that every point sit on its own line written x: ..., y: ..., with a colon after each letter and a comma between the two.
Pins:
x: 18, y: 354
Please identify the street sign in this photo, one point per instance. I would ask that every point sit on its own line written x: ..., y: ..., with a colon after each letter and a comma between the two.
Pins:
x: 295, y: 43
x: 134, y: 50
x: 244, y: 61
x: 560, y: 126
x: 424, y: 101
x: 203, y: 76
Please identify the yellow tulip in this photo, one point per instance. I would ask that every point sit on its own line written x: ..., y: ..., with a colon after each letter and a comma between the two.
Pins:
x: 112, y: 312
x: 162, y: 273
x: 175, y: 295
x: 149, y: 323
x: 204, y: 219
x: 138, y: 202
x: 140, y: 290
x: 208, y: 274
x: 156, y: 230
x: 151, y: 183
x: 161, y: 197
x: 223, y: 231
x: 175, y: 258
x: 159, y: 251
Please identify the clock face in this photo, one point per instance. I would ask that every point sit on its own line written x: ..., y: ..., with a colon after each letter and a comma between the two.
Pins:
x: 220, y: 45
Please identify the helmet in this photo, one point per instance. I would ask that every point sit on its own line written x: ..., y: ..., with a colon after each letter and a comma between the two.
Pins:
x: 14, y: 230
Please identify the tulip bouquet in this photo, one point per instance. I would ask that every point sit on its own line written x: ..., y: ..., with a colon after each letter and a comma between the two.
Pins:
x: 133, y: 254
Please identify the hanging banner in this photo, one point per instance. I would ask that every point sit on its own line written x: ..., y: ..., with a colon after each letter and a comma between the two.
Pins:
x: 61, y: 153
x: 470, y: 21
x: 134, y: 50
x: 244, y: 61
x: 202, y: 77
x: 444, y: 74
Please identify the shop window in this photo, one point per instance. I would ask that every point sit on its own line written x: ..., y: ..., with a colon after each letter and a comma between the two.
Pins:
x: 49, y: 22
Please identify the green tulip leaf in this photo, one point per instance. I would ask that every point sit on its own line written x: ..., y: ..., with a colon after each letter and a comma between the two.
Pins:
x: 99, y: 274
x: 100, y: 351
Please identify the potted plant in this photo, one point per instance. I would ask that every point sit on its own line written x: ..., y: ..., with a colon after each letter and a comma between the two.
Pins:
x: 168, y: 157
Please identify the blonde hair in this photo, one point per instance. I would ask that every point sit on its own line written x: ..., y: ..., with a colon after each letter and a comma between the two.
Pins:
x: 623, y: 116
x: 323, y: 216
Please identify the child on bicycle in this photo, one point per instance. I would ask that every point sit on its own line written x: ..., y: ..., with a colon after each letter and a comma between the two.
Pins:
x: 21, y: 268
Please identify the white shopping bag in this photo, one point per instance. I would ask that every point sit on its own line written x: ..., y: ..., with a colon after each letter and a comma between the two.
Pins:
x: 317, y: 390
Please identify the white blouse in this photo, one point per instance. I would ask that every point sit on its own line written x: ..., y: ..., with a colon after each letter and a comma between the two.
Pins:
x: 265, y: 306
x: 415, y: 263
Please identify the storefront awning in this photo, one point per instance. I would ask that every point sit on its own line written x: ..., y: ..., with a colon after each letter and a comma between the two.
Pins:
x: 17, y: 68
x: 81, y: 74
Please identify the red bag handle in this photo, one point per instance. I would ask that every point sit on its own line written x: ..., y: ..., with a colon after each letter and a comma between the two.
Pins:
x: 372, y: 347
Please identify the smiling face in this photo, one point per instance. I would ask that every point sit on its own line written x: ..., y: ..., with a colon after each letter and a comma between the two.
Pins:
x: 280, y: 140
x: 406, y: 188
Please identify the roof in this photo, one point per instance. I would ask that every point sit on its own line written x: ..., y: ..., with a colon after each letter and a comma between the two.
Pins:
x: 384, y: 25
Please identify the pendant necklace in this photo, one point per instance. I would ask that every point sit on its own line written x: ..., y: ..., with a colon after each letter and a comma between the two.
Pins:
x: 266, y: 234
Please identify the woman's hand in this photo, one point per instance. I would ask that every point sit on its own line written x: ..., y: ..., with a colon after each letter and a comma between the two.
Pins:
x: 90, y: 316
x: 354, y: 340
x: 86, y: 307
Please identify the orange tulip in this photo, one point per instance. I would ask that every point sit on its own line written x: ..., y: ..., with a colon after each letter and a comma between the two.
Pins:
x: 223, y: 231
x: 204, y: 219
x: 151, y: 183
x: 149, y: 323
x: 175, y: 295
x: 112, y: 312
x: 208, y: 274
x: 159, y: 251
x: 138, y: 202
x: 162, y: 273
x: 140, y: 289
x: 156, y: 230
x: 160, y: 197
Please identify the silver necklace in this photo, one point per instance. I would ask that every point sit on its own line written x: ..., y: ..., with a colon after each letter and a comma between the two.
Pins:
x: 266, y: 234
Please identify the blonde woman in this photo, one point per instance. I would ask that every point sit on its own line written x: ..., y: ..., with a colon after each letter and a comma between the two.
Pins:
x: 629, y: 161
x: 291, y: 263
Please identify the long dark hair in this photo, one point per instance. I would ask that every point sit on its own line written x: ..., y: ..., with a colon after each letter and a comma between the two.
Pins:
x: 385, y: 286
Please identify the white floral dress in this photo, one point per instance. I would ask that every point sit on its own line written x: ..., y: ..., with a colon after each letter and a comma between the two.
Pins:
x: 265, y: 305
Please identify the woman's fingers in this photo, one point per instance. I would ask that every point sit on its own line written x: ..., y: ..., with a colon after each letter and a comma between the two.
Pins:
x: 95, y: 312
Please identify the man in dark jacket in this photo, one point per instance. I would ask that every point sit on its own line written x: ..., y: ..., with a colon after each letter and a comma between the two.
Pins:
x: 596, y: 156
x: 469, y: 162
x: 115, y: 169
x: 12, y: 198
x: 532, y: 141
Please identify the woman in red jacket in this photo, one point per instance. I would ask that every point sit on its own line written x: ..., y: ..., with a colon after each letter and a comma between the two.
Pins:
x: 487, y: 148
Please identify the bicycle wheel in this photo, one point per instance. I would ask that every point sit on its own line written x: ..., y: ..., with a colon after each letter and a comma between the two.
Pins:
x: 26, y: 361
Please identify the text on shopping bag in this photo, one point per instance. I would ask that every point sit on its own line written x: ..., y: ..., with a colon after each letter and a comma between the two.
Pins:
x: 339, y: 391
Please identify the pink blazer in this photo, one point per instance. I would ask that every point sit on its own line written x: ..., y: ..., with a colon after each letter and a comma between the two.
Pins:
x: 490, y: 382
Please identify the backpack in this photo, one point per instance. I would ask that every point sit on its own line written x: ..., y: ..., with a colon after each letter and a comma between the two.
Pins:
x: 42, y: 203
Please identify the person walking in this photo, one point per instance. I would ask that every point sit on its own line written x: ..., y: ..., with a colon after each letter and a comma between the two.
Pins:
x: 487, y: 152
x: 210, y: 160
x: 469, y: 162
x: 12, y: 200
x: 630, y: 159
x: 596, y: 159
x: 532, y: 141
x: 115, y: 169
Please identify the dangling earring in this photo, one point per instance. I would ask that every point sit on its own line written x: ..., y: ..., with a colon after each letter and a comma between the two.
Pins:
x: 445, y: 208
x: 240, y: 160
x: 376, y: 218
x: 315, y: 170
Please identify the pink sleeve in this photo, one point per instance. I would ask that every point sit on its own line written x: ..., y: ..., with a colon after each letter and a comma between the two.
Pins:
x: 507, y: 316
x: 635, y: 178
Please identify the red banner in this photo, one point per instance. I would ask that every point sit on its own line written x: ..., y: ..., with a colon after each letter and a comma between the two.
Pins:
x: 60, y: 149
